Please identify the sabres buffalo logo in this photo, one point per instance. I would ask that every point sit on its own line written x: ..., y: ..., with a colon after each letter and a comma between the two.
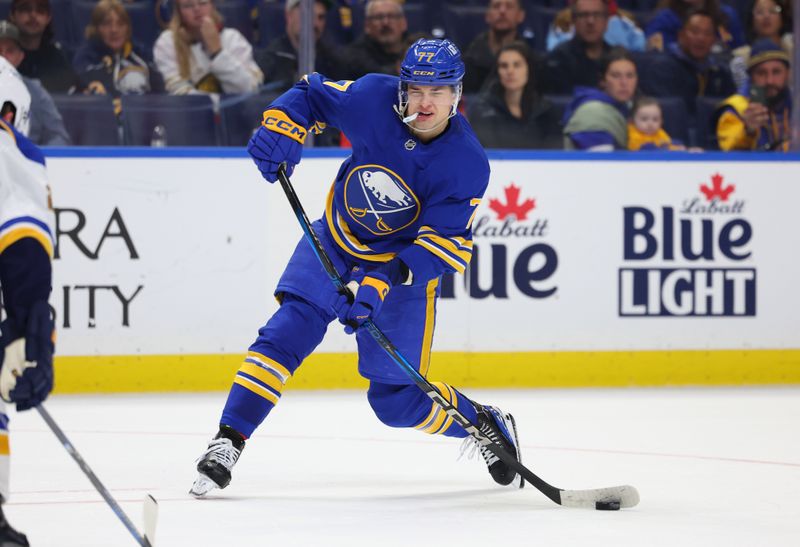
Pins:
x: 379, y: 200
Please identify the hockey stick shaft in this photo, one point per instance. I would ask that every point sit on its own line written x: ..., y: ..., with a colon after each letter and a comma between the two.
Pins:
x: 51, y: 423
x: 548, y: 490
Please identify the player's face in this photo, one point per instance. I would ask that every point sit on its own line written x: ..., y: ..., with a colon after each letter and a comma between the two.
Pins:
x: 773, y: 76
x: 113, y: 31
x: 11, y: 51
x: 648, y: 119
x: 432, y: 103
x: 31, y: 17
x: 620, y: 80
x: 512, y: 68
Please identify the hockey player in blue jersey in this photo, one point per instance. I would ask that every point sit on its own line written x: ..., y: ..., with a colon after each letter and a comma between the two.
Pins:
x: 398, y: 216
x: 26, y: 248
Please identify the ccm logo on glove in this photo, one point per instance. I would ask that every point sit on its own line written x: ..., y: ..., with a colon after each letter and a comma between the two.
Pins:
x: 279, y: 122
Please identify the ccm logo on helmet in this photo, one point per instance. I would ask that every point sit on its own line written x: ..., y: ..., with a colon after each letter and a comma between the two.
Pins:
x: 424, y: 73
x: 279, y: 122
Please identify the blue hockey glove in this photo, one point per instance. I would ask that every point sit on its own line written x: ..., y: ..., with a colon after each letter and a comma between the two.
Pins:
x: 26, y: 377
x: 279, y: 139
x: 369, y: 290
x: 369, y: 296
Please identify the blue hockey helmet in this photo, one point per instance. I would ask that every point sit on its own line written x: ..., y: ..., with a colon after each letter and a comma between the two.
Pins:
x: 432, y: 62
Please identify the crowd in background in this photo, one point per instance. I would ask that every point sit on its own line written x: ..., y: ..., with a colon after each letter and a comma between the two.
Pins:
x: 558, y: 74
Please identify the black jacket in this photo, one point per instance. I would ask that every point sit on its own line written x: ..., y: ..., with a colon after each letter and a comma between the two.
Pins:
x: 49, y: 65
x: 497, y: 128
x: 278, y: 61
x: 568, y: 66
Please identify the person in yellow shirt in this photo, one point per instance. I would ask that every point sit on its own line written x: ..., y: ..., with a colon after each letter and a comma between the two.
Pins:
x: 759, y: 118
x: 645, y: 131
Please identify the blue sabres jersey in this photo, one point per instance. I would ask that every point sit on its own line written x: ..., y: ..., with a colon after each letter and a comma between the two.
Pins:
x: 395, y: 195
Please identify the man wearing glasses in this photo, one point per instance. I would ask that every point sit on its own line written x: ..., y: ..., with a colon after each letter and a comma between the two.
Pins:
x: 577, y: 62
x: 383, y: 43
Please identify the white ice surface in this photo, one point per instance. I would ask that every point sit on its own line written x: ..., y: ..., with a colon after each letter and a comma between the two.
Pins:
x: 714, y: 467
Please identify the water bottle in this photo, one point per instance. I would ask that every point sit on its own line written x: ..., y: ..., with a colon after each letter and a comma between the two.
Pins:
x: 159, y: 138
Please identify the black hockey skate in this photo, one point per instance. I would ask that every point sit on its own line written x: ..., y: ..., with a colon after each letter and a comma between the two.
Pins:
x: 214, y: 466
x: 501, y: 428
x: 10, y: 537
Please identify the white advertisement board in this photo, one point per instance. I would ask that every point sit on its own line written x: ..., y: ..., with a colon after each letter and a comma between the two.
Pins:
x: 181, y: 255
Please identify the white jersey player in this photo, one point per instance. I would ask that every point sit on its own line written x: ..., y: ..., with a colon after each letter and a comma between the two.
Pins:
x: 26, y: 250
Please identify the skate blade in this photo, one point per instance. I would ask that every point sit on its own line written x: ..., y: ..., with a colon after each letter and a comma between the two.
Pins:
x: 202, y: 486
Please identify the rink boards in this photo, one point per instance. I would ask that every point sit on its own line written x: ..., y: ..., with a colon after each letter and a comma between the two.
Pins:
x: 587, y: 271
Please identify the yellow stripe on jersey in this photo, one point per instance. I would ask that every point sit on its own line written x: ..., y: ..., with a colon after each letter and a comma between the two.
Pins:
x: 450, y: 246
x: 438, y: 420
x: 282, y: 371
x: 7, y: 129
x: 262, y: 375
x: 457, y: 266
x: 255, y: 388
x: 337, y: 86
x: 5, y: 448
x: 15, y: 234
x: 430, y: 320
x: 345, y: 239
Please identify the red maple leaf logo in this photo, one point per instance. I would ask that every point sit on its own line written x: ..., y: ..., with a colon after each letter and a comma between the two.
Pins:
x: 716, y: 190
x: 512, y: 205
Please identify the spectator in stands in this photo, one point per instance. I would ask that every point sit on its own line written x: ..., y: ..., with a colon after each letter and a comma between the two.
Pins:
x: 197, y: 54
x: 44, y: 60
x: 762, y: 121
x: 687, y: 69
x: 645, y: 128
x: 279, y: 62
x: 663, y: 28
x: 622, y: 29
x: 46, y: 126
x: 108, y: 63
x: 767, y: 19
x: 596, y: 119
x: 503, y: 18
x: 510, y: 113
x: 381, y: 47
x: 577, y: 62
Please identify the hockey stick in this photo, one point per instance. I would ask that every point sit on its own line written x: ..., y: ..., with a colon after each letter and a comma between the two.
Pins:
x: 150, y: 504
x: 610, y: 498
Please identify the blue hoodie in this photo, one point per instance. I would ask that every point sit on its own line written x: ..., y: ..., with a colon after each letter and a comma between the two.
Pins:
x: 588, y: 133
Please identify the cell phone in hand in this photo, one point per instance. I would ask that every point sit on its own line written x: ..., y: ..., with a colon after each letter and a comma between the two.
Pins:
x: 758, y: 94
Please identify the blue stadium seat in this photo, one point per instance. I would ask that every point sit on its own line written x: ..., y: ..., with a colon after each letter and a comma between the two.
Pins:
x: 271, y: 21
x: 188, y: 120
x: 5, y: 7
x: 144, y: 26
x: 241, y: 115
x: 676, y: 118
x: 705, y: 127
x: 462, y: 23
x: 560, y: 103
x: 89, y: 119
x: 538, y: 20
x: 236, y: 14
x: 61, y: 10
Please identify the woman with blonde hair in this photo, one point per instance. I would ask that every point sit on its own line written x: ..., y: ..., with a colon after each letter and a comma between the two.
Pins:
x: 197, y: 54
x: 108, y: 63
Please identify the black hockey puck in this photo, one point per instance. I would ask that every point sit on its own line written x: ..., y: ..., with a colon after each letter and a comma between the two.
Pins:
x: 606, y: 505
